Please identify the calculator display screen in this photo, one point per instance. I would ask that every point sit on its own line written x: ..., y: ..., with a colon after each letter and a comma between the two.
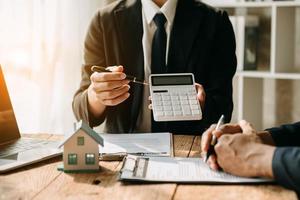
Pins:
x: 172, y: 80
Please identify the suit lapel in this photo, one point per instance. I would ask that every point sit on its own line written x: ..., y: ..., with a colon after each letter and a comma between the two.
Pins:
x: 128, y: 18
x: 185, y: 29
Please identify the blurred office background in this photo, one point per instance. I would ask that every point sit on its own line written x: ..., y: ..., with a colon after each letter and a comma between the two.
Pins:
x: 41, y: 45
x: 41, y: 51
x: 267, y: 82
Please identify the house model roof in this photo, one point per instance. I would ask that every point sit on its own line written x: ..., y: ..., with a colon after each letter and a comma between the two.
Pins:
x: 88, y: 130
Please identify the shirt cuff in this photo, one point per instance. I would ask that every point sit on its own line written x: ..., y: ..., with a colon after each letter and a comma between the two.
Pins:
x: 285, y: 166
x: 278, y: 137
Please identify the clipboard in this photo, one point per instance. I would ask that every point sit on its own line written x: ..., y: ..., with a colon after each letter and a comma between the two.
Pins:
x: 177, y: 170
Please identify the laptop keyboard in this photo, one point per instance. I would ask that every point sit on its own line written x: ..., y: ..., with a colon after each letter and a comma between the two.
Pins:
x: 23, y: 145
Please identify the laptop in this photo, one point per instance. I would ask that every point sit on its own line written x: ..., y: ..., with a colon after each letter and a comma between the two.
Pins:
x: 17, y: 151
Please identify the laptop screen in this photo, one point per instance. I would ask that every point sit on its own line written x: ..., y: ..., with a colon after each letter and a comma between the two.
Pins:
x: 8, y: 125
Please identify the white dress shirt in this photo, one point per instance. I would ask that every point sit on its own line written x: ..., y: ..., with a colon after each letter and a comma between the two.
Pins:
x: 149, y: 10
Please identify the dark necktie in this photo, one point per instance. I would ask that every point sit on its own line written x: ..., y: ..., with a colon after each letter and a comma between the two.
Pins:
x: 158, y: 59
x: 159, y: 43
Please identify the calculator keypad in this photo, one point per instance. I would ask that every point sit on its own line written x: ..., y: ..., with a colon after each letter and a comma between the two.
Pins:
x: 176, y: 105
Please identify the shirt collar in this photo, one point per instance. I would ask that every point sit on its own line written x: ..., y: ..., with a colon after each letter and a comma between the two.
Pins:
x: 151, y: 9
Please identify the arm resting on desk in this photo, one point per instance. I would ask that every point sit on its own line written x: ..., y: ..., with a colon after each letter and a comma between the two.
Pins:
x: 286, y: 167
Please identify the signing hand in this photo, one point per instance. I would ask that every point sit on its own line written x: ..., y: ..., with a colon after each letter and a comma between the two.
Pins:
x: 265, y: 138
x: 244, y: 154
x: 207, y: 137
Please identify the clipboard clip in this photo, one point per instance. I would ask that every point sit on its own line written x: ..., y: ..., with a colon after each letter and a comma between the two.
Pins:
x: 129, y: 163
x: 136, y: 165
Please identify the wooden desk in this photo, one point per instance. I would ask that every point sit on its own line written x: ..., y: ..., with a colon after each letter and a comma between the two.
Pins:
x: 43, y: 181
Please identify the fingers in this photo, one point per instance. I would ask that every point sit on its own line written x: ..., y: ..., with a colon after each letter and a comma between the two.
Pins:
x: 108, y: 88
x: 212, y: 162
x: 246, y: 127
x: 150, y: 105
x: 200, y: 94
x: 224, y: 129
x: 112, y: 94
x: 206, y: 138
x: 109, y: 97
x: 107, y: 76
x: 230, y: 128
x: 217, y: 133
x: 119, y: 68
x: 109, y: 85
x: 116, y: 101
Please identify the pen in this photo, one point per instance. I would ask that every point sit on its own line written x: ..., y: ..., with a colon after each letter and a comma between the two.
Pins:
x: 214, y: 139
x: 128, y: 77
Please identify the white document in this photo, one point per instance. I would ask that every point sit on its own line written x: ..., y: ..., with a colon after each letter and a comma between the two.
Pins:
x: 149, y: 144
x: 185, y: 170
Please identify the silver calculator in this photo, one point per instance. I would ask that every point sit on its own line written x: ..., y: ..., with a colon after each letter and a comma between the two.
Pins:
x: 174, y: 97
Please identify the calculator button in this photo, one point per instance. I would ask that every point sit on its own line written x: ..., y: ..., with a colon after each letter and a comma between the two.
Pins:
x: 177, y: 113
x: 157, y: 103
x: 193, y: 102
x: 194, y: 107
x: 186, y: 107
x: 187, y: 112
x: 177, y: 107
x: 160, y: 113
x: 175, y: 98
x: 192, y: 97
x: 157, y: 98
x: 183, y: 97
x: 159, y: 108
x: 176, y: 102
x: 167, y: 108
x: 166, y: 98
x: 167, y: 103
x: 168, y: 113
x: 196, y: 112
x: 184, y: 102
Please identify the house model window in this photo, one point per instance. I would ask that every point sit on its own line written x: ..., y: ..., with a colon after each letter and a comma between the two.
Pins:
x: 80, y: 141
x: 89, y: 158
x: 72, y: 159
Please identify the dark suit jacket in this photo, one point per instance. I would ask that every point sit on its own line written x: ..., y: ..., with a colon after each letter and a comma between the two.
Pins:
x: 286, y: 160
x: 201, y: 41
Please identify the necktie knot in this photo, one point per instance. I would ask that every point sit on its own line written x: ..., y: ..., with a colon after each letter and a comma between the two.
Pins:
x: 159, y: 20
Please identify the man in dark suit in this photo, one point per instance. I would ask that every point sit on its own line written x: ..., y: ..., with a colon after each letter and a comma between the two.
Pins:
x: 274, y: 153
x: 155, y: 36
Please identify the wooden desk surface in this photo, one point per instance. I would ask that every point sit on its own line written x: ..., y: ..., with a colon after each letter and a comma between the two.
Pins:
x: 43, y: 181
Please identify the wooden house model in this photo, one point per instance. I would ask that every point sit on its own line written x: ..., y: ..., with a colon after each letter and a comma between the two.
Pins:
x: 81, y: 150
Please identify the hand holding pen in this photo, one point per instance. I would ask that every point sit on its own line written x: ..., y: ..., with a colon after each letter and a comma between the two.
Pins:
x: 208, y: 145
x: 128, y: 77
x: 107, y: 89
